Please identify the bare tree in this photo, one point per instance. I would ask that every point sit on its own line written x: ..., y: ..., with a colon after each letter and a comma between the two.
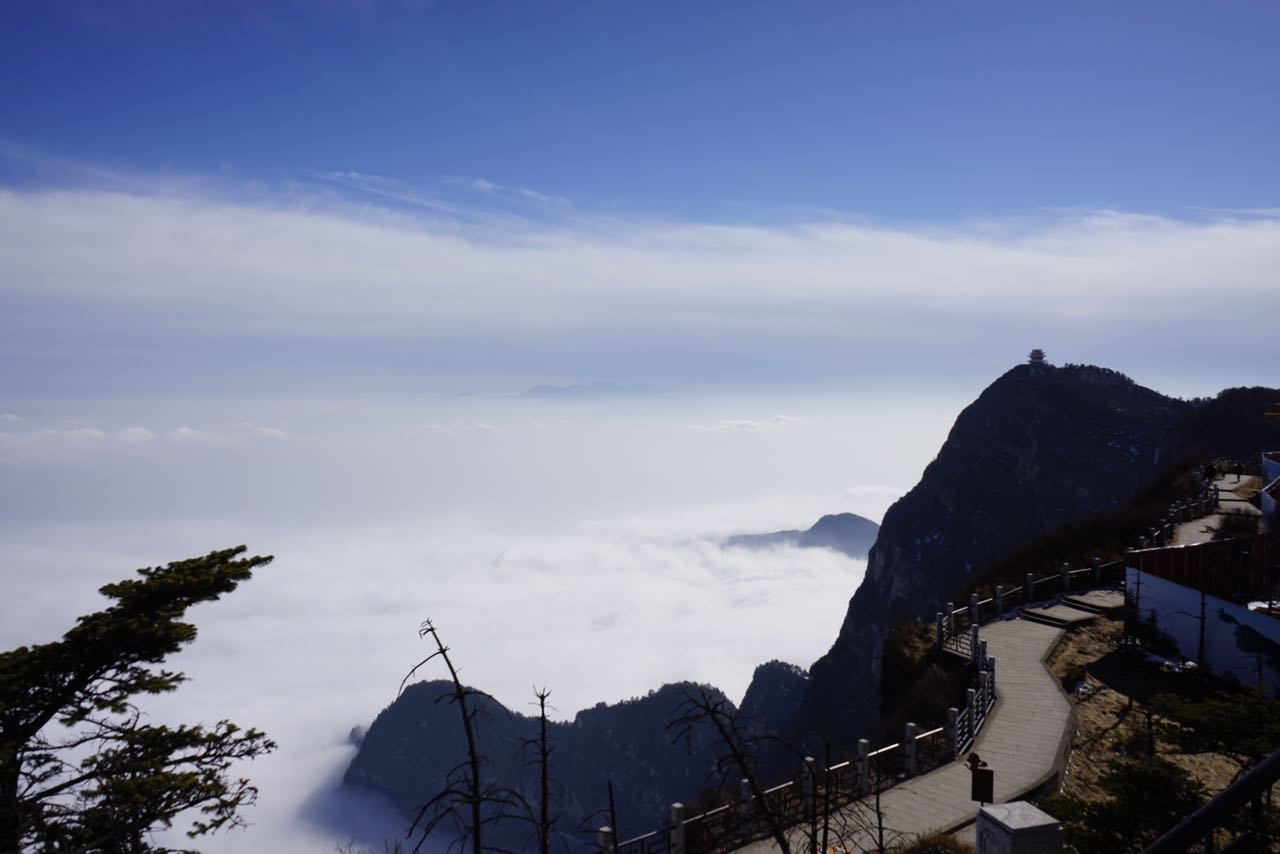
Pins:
x: 613, y: 820
x: 464, y: 800
x: 837, y: 815
x: 863, y: 819
x: 702, y: 707
x: 540, y: 747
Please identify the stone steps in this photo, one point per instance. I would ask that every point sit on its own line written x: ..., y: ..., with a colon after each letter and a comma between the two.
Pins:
x: 1060, y: 616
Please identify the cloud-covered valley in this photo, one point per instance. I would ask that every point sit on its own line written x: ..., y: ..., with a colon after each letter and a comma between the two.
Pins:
x: 576, y: 546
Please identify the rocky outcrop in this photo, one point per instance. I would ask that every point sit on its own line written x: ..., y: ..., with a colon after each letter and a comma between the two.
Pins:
x: 408, y: 751
x: 848, y: 533
x: 773, y: 698
x: 1041, y: 446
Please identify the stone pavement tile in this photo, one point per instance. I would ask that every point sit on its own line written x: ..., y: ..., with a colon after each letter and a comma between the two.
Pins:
x: 1020, y: 739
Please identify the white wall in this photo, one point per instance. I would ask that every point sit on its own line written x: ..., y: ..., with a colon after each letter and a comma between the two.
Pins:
x: 1233, y: 635
x: 1271, y: 467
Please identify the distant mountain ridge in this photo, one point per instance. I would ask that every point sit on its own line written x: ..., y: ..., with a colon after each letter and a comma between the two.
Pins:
x: 844, y: 532
x: 411, y: 746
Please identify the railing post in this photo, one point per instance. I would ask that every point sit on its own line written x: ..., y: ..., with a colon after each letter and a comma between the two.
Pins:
x: 744, y: 806
x: 974, y: 651
x: 1142, y: 542
x: 1029, y: 589
x: 810, y: 788
x: 951, y: 619
x: 984, y: 690
x: 999, y: 598
x: 910, y: 759
x: 991, y: 668
x: 953, y: 737
x: 973, y: 609
x: 1097, y: 571
x: 939, y: 634
x: 982, y: 654
x: 971, y: 701
x: 677, y: 828
x: 1066, y: 576
x: 862, y: 779
x: 604, y: 838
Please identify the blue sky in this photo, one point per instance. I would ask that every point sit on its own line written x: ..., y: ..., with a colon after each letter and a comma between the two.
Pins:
x: 902, y: 110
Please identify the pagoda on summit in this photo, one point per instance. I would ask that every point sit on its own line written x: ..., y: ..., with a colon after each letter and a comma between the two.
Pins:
x: 1036, y: 358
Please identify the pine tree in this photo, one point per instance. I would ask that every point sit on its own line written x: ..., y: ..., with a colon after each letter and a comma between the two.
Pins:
x: 80, y: 768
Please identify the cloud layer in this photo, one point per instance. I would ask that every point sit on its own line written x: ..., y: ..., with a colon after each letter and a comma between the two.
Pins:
x: 318, y: 641
x: 559, y: 543
x: 257, y: 287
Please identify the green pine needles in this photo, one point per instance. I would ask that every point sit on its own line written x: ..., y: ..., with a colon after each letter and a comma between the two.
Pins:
x: 80, y: 768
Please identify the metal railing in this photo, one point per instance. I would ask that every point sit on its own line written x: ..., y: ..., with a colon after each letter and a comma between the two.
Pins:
x: 1249, y: 792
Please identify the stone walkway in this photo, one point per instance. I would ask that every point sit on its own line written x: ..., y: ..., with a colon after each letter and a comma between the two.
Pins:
x: 1027, y: 737
x: 1025, y: 742
x: 1230, y: 500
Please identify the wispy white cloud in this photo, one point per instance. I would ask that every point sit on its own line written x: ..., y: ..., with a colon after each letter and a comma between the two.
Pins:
x: 455, y: 427
x: 238, y: 433
x: 743, y: 425
x: 76, y: 434
x: 391, y: 189
x: 138, y: 436
x: 493, y: 188
x: 636, y: 299
x: 729, y: 425
x: 1272, y: 213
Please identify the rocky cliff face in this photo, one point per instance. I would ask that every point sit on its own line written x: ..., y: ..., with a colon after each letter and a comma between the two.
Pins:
x: 410, y: 748
x: 1040, y: 447
x: 773, y: 698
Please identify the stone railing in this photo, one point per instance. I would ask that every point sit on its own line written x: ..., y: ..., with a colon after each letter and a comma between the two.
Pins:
x: 1204, y: 503
x: 818, y: 791
x: 956, y: 629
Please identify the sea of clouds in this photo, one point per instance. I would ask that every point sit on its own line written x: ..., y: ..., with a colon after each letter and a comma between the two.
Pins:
x: 575, y: 546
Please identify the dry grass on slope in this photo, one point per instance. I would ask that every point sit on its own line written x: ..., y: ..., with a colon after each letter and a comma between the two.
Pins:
x: 1109, y: 687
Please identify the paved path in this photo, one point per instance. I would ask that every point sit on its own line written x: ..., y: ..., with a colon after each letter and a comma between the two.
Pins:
x: 1025, y: 742
x: 1230, y: 500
